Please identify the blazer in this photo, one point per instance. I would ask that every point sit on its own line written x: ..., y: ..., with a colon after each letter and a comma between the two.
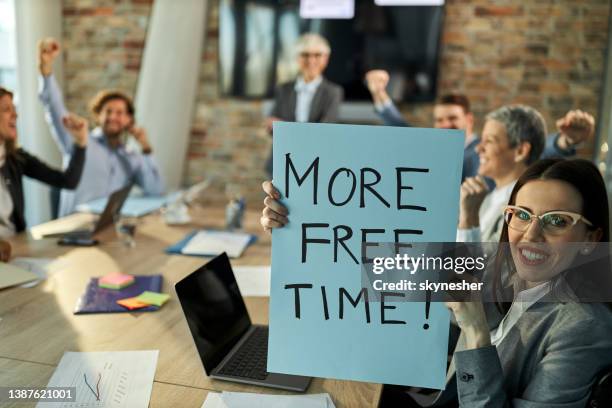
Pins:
x: 549, y: 359
x: 21, y: 163
x: 324, y: 107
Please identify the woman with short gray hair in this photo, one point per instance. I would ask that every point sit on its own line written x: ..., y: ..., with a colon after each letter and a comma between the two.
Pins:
x: 513, y: 137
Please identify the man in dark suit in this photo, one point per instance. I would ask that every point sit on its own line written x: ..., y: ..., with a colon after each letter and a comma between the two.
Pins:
x: 311, y: 97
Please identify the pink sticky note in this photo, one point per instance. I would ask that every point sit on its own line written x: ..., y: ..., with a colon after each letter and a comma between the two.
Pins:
x: 116, y: 281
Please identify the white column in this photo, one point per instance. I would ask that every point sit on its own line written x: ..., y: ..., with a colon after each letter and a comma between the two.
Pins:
x: 35, y: 19
x: 167, y: 85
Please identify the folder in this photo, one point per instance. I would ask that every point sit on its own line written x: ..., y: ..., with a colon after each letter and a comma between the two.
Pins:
x: 101, y: 300
x: 234, y: 252
x: 12, y: 276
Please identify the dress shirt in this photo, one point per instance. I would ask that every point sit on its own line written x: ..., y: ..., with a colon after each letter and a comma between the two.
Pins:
x: 523, y: 301
x: 305, y: 92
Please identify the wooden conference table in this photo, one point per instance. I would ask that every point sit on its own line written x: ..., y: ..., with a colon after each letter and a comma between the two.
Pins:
x: 38, y: 326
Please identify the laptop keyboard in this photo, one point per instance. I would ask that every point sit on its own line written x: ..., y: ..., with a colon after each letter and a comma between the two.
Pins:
x: 250, y: 359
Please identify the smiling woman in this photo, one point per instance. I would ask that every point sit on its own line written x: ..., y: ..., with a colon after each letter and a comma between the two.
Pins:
x: 16, y: 163
x: 543, y: 349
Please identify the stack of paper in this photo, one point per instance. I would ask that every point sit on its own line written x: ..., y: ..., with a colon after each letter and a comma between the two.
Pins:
x: 213, y: 243
x: 249, y: 400
x: 116, y: 281
x: 11, y: 276
x: 106, y: 379
x: 253, y: 280
x: 42, y: 267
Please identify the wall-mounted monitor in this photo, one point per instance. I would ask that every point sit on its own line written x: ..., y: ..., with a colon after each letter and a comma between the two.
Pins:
x: 257, y: 37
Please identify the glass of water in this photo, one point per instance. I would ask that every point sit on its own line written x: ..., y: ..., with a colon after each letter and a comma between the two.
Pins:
x: 126, y: 230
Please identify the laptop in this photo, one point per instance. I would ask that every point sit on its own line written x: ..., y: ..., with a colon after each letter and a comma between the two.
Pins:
x: 112, y: 209
x: 230, y: 347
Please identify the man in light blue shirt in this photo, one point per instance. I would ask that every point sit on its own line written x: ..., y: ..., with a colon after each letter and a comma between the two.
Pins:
x: 109, y: 165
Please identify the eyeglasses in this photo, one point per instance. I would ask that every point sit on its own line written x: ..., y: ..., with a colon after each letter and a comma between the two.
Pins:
x: 552, y: 222
x: 306, y: 55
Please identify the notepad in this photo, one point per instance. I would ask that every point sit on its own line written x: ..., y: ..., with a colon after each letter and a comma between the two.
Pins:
x: 132, y: 303
x: 213, y: 243
x: 153, y: 298
x: 116, y: 281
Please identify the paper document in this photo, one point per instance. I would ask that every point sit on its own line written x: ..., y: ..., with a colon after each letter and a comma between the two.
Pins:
x: 409, y: 2
x: 72, y: 222
x: 327, y: 9
x: 213, y: 243
x: 133, y: 207
x: 12, y: 275
x: 42, y: 267
x: 250, y: 400
x: 106, y: 379
x: 253, y: 280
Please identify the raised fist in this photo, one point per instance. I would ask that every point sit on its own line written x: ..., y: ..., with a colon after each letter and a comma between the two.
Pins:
x: 48, y: 50
x: 78, y: 128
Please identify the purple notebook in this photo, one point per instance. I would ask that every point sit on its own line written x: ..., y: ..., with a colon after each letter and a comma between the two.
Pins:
x: 101, y: 300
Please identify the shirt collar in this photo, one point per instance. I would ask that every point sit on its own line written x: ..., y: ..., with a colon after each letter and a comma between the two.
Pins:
x: 301, y: 86
x: 503, y: 192
x: 528, y: 297
x: 98, y: 135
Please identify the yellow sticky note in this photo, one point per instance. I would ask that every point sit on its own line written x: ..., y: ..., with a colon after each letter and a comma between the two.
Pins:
x: 153, y: 298
x: 132, y: 303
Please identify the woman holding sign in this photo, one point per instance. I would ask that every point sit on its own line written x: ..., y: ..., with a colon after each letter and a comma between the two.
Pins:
x: 539, y: 350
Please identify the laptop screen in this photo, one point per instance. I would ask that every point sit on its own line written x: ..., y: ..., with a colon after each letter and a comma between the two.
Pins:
x: 113, y: 207
x: 214, y: 310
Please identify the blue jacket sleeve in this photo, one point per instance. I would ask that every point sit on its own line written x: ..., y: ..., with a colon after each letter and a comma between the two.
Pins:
x: 551, y: 150
x: 391, y: 116
x: 51, y: 97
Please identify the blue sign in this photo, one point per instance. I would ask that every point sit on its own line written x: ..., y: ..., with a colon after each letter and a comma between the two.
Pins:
x: 344, y: 185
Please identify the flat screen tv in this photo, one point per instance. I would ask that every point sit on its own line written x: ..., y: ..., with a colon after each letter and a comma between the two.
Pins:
x: 257, y: 38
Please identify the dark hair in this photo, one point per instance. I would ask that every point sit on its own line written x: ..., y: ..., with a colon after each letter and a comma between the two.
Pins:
x: 10, y: 145
x: 107, y: 95
x: 587, y: 180
x: 455, y: 99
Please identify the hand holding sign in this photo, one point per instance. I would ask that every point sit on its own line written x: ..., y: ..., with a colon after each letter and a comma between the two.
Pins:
x: 274, y: 214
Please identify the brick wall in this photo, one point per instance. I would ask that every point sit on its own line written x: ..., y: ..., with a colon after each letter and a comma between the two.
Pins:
x: 102, y: 43
x: 546, y: 53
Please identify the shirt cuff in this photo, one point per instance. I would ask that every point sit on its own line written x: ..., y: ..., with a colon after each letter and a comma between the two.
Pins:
x: 468, y: 235
x: 478, y: 370
x: 570, y: 151
x: 380, y: 107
